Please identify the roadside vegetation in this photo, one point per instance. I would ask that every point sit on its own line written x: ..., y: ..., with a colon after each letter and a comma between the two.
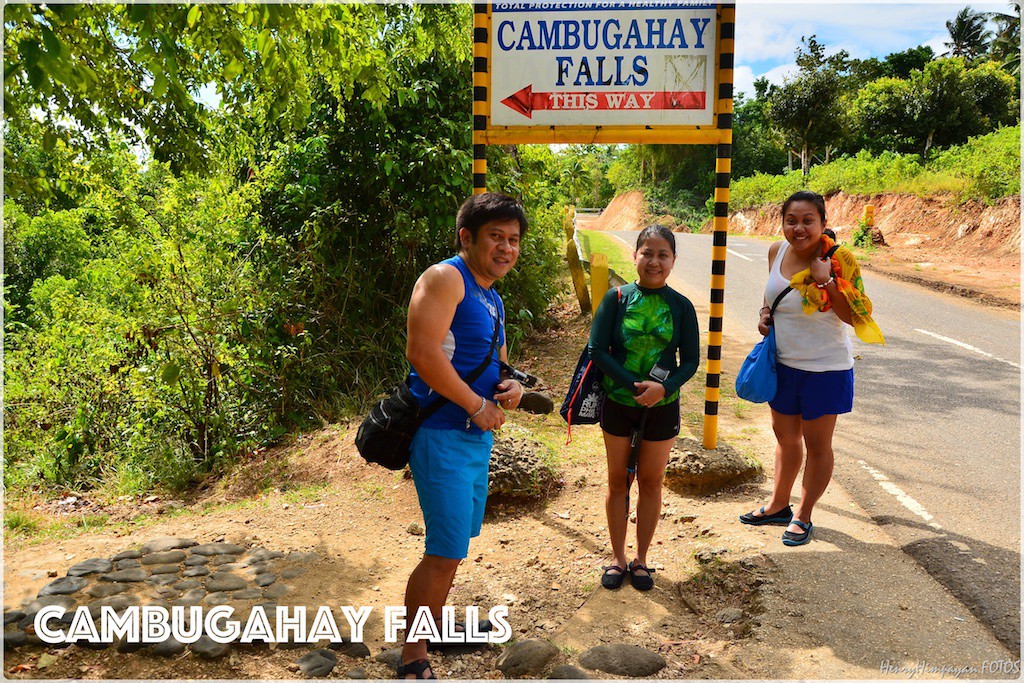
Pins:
x: 214, y: 214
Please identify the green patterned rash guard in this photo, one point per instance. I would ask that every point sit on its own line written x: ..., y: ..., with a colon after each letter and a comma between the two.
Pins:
x: 644, y: 328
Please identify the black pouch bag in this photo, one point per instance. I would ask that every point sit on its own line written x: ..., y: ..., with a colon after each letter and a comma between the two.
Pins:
x: 386, y: 433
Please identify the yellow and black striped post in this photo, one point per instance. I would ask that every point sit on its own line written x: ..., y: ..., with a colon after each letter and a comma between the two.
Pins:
x: 723, y: 171
x: 481, y: 50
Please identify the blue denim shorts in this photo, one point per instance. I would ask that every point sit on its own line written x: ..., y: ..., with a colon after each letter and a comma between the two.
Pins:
x: 813, y: 394
x: 449, y: 468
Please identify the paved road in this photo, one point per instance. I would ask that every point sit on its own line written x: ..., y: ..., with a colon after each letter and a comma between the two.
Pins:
x: 932, y: 449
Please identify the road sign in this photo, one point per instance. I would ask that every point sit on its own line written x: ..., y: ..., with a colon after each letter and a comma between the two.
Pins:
x: 577, y: 65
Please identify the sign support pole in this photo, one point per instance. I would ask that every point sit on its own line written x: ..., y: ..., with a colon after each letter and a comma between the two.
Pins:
x: 723, y: 172
x: 481, y: 50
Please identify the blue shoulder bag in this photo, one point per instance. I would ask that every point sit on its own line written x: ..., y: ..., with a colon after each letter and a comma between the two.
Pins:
x: 756, y: 381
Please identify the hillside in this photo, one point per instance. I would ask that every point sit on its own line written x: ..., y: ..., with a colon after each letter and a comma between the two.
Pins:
x: 970, y: 249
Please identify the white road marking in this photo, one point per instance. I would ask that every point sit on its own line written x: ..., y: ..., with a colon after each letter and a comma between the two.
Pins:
x: 902, y: 496
x: 962, y: 345
x: 736, y: 253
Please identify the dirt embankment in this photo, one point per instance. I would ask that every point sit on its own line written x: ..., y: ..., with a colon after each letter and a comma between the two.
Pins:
x: 970, y: 249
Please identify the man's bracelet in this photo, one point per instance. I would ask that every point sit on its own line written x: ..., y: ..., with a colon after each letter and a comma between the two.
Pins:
x: 765, y: 308
x: 483, y: 406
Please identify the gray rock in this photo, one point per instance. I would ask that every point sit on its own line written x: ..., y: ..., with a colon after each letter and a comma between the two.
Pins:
x: 96, y: 565
x: 537, y: 403
x: 622, y: 659
x: 127, y: 555
x: 164, y: 557
x: 105, y: 590
x: 194, y: 560
x: 729, y: 615
x: 218, y: 560
x: 64, y: 586
x: 14, y: 638
x: 691, y: 469
x: 261, y: 555
x: 358, y: 673
x: 188, y: 584
x: 303, y: 557
x: 159, y: 545
x: 350, y: 649
x: 278, y: 590
x: 207, y: 648
x: 248, y: 594
x: 526, y: 658
x: 64, y: 601
x: 265, y: 579
x: 119, y: 603
x: 190, y: 598
x: 126, y: 576
x: 13, y: 617
x: 164, y: 569
x: 567, y: 672
x: 520, y: 466
x: 225, y: 582
x: 196, y: 571
x: 162, y: 579
x: 292, y: 572
x: 217, y: 598
x: 415, y: 529
x: 128, y: 646
x: 392, y: 657
x: 211, y: 549
x: 167, y: 592
x: 128, y: 563
x: 318, y: 663
x: 168, y: 648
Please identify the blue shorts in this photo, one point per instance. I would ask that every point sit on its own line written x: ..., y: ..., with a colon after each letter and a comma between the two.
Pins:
x: 449, y: 468
x: 813, y: 394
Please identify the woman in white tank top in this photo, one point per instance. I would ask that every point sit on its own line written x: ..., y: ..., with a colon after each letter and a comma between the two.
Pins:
x: 815, y: 367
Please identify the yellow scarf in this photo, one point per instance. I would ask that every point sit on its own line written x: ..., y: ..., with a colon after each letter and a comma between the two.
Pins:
x: 851, y: 285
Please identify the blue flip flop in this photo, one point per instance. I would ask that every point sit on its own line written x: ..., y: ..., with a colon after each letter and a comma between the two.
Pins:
x: 782, y: 517
x: 789, y: 538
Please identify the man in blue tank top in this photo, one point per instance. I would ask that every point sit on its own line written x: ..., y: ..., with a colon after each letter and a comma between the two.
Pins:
x: 457, y: 325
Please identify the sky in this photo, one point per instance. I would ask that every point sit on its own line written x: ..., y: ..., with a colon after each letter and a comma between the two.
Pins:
x: 767, y: 34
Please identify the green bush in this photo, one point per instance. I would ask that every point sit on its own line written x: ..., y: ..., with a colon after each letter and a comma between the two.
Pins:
x: 986, y: 167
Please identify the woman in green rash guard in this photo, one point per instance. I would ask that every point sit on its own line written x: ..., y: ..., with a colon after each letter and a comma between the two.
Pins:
x: 645, y: 340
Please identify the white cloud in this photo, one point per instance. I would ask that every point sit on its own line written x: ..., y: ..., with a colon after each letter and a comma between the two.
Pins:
x: 743, y: 81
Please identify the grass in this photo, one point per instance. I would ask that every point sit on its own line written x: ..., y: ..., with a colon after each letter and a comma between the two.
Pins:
x: 620, y: 259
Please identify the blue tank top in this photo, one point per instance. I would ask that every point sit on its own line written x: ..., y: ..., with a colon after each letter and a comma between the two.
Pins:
x: 466, y: 344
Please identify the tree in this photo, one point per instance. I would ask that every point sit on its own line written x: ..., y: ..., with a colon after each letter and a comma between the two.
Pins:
x: 756, y: 147
x: 943, y: 104
x: 1005, y: 46
x: 138, y: 69
x: 807, y: 108
x: 967, y: 34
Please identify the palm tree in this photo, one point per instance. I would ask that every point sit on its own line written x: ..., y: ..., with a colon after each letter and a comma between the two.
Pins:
x: 967, y: 34
x: 1005, y: 47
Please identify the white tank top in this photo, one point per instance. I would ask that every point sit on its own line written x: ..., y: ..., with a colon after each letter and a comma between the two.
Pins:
x: 817, y: 342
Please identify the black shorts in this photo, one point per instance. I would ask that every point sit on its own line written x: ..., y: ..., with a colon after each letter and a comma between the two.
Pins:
x: 619, y: 420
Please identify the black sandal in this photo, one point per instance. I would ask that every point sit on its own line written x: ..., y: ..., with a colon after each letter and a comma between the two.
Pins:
x: 417, y: 668
x: 613, y: 581
x: 641, y: 583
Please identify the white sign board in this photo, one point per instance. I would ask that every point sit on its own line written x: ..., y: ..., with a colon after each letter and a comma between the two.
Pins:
x: 602, y: 64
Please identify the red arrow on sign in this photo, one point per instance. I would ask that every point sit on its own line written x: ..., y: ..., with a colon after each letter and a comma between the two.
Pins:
x: 526, y: 101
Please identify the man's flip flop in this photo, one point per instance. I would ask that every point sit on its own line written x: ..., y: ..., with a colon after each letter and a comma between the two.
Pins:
x: 782, y: 517
x: 789, y: 538
x: 417, y: 668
